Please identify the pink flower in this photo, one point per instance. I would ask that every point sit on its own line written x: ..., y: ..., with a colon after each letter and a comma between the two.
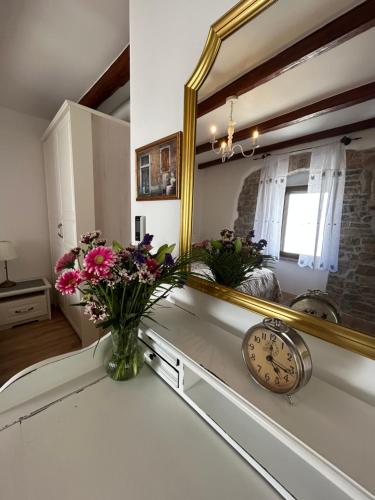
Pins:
x: 99, y: 261
x: 67, y: 282
x: 152, y: 265
x: 201, y: 244
x: 94, y: 278
x: 66, y: 261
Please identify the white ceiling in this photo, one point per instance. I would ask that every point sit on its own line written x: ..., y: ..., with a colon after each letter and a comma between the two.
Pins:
x: 275, y: 29
x: 51, y: 50
x: 359, y: 112
x: 332, y: 72
x: 344, y: 67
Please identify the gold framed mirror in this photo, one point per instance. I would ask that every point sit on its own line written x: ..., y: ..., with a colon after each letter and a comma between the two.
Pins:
x: 244, y: 14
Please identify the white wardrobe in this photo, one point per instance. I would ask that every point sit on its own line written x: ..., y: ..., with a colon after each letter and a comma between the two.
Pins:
x: 87, y: 170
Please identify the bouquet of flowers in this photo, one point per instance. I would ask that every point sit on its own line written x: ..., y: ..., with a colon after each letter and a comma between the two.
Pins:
x: 119, y: 287
x: 231, y: 259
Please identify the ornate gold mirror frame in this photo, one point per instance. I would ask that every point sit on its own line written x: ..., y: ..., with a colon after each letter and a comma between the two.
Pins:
x: 344, y: 337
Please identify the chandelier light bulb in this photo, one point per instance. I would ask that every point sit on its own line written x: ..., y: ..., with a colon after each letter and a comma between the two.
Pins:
x: 228, y: 148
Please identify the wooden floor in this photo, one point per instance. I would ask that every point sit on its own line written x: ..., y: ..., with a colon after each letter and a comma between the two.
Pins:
x: 25, y: 345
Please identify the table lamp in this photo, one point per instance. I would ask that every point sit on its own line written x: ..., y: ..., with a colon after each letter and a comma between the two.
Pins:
x: 7, y: 252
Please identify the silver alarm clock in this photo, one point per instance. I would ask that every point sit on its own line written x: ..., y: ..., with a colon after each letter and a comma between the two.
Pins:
x: 277, y: 357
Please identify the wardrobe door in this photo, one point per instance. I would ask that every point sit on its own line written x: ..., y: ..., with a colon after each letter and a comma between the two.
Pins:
x: 70, y: 188
x: 53, y: 185
x: 67, y: 236
x: 67, y: 195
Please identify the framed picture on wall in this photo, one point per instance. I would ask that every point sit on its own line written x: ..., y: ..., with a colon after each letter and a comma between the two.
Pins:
x: 158, y: 169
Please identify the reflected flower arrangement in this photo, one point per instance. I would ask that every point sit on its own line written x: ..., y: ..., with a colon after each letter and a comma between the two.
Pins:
x: 231, y: 259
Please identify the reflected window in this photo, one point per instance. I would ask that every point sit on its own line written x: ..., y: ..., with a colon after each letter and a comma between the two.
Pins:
x: 145, y: 174
x: 300, y: 220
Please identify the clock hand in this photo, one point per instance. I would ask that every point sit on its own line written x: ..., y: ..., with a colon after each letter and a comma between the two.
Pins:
x: 275, y: 368
x: 280, y: 366
x: 273, y: 362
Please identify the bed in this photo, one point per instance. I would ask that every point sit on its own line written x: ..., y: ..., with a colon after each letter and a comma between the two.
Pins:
x: 261, y: 283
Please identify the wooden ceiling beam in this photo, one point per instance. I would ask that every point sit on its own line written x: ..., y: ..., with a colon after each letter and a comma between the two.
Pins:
x: 316, y: 136
x: 341, y: 29
x: 328, y: 105
x: 114, y: 77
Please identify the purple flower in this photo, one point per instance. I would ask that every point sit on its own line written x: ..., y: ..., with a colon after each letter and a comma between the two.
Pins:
x: 226, y: 234
x: 249, y: 237
x: 123, y: 256
x: 251, y: 234
x: 169, y: 260
x: 75, y: 251
x: 139, y: 258
x: 261, y: 244
x: 90, y: 237
x: 147, y: 238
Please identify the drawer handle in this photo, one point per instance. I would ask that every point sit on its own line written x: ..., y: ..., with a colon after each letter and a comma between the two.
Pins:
x: 152, y: 356
x: 20, y: 311
x: 60, y: 233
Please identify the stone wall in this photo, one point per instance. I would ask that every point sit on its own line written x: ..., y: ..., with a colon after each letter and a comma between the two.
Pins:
x: 353, y: 286
x: 247, y: 203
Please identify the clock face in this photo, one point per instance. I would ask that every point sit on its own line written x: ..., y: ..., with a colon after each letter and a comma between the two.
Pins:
x: 272, y: 360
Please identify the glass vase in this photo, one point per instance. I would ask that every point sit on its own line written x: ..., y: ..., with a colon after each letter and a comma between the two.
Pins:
x: 127, y: 356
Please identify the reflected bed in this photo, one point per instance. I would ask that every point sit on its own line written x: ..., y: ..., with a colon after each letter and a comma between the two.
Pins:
x: 262, y: 283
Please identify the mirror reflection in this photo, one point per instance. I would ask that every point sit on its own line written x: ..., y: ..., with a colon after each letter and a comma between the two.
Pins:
x: 284, y: 195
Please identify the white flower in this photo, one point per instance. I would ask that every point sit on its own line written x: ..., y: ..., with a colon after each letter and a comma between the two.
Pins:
x: 144, y: 276
x: 96, y: 312
x: 126, y: 276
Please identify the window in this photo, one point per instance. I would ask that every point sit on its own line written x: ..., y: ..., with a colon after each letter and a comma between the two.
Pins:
x: 300, y: 223
x: 145, y: 181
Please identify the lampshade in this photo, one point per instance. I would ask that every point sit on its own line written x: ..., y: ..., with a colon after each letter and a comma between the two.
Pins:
x: 7, y: 250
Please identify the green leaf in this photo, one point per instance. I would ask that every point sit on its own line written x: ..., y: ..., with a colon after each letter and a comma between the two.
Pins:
x: 104, y: 324
x: 163, y: 250
x: 237, y: 245
x: 216, y: 244
x: 117, y: 247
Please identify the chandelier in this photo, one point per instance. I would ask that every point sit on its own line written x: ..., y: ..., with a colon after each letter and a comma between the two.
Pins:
x: 227, y: 149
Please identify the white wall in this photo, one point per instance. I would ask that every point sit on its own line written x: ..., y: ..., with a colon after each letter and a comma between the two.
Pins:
x: 23, y: 205
x: 216, y: 192
x: 166, y: 39
x: 111, y: 157
x: 296, y: 280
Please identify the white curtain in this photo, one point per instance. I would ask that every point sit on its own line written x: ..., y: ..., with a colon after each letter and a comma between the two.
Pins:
x: 327, y: 183
x: 270, y: 203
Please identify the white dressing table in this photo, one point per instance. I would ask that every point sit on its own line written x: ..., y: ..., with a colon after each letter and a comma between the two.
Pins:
x: 69, y: 432
x: 92, y: 438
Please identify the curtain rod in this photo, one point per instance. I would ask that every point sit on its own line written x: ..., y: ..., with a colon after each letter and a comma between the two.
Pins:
x: 344, y: 140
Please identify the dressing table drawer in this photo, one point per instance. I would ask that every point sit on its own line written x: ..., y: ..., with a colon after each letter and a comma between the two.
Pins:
x: 15, y: 310
x: 167, y: 372
x: 157, y: 347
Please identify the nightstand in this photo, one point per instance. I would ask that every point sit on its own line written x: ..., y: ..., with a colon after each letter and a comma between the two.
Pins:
x: 26, y: 301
